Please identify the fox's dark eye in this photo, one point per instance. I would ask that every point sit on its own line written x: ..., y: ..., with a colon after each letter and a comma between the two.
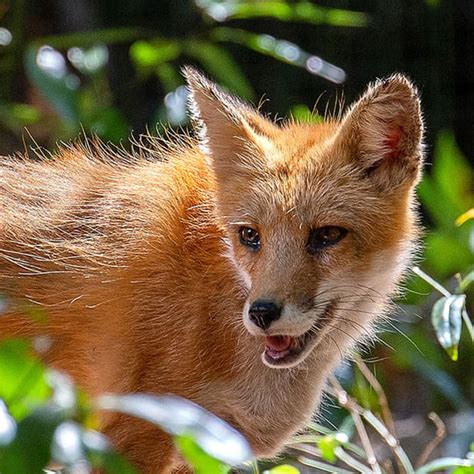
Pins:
x: 249, y: 237
x: 324, y: 237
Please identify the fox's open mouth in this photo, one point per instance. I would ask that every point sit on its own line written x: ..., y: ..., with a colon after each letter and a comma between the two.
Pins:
x: 283, y: 351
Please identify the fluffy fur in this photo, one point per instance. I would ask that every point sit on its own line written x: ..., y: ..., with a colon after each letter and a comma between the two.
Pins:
x: 137, y: 263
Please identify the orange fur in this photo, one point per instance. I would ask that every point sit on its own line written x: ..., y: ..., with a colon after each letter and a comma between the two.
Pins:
x: 138, y: 266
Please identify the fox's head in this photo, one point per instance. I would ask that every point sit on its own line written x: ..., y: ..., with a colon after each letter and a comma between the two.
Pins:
x: 319, y: 218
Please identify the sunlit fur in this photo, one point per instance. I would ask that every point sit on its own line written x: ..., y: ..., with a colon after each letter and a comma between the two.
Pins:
x: 136, y: 261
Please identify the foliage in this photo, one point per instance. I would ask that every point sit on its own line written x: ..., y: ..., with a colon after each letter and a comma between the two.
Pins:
x: 69, y: 70
x: 44, y: 418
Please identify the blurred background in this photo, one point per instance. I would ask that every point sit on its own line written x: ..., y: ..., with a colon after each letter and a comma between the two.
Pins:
x: 112, y: 68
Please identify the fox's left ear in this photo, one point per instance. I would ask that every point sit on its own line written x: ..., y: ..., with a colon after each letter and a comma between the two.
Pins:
x: 383, y: 132
x: 231, y: 132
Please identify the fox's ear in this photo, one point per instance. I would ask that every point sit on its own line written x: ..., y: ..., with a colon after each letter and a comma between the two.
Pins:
x: 383, y: 131
x: 231, y: 132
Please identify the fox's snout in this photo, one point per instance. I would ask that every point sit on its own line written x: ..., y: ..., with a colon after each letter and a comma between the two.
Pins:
x: 262, y: 313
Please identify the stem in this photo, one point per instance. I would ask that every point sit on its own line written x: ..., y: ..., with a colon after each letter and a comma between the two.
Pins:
x: 440, y: 435
x: 350, y: 461
x: 383, y: 402
x: 444, y: 463
x: 437, y: 286
x: 357, y: 412
x: 347, y: 402
x: 322, y: 466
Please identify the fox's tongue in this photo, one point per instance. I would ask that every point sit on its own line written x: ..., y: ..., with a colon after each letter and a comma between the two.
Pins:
x: 277, y: 347
x: 278, y: 343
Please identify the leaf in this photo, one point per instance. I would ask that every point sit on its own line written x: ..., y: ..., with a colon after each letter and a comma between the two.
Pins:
x: 148, y: 54
x: 454, y: 249
x: 443, y: 464
x: 178, y: 417
x: 302, y: 11
x: 463, y: 470
x: 23, y: 379
x: 201, y: 461
x: 283, y: 469
x: 468, y: 215
x: 221, y: 66
x: 281, y: 50
x: 57, y: 89
x: 451, y: 171
x: 468, y: 323
x: 466, y: 281
x: 7, y: 426
x: 302, y: 113
x: 327, y: 446
x: 16, y: 116
x: 29, y: 452
x: 446, y: 318
x: 67, y: 447
x: 448, y: 191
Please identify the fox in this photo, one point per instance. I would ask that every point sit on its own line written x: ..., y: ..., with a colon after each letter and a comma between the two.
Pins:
x: 235, y: 266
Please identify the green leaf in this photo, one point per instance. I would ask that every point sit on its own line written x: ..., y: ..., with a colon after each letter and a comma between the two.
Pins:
x: 302, y: 113
x: 180, y: 417
x: 463, y: 470
x: 327, y: 446
x: 23, y: 379
x: 221, y: 66
x: 281, y: 50
x: 442, y: 464
x: 148, y: 54
x: 57, y: 90
x: 7, y: 426
x: 454, y: 249
x: 452, y: 173
x: 447, y: 193
x: 283, y: 469
x: 446, y: 318
x: 466, y: 281
x: 66, y: 447
x: 16, y: 116
x: 302, y: 11
x: 202, y: 462
x: 29, y: 452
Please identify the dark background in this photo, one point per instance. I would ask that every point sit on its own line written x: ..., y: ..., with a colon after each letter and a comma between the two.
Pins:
x: 432, y: 41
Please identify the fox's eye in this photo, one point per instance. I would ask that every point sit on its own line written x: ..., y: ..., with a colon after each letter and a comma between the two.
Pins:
x: 324, y: 237
x: 249, y: 237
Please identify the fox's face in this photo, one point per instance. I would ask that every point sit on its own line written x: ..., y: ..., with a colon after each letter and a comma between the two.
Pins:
x: 318, y: 218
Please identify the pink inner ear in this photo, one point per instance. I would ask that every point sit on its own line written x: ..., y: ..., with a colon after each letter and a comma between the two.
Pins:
x: 392, y: 143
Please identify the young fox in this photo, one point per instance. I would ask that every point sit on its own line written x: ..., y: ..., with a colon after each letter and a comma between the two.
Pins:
x: 235, y: 269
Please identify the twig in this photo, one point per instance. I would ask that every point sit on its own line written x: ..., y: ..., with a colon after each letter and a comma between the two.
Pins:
x: 357, y: 412
x: 346, y: 402
x: 437, y: 286
x: 382, y: 398
x: 440, y: 435
x: 444, y: 463
x: 322, y: 466
x: 374, y: 383
x: 352, y: 462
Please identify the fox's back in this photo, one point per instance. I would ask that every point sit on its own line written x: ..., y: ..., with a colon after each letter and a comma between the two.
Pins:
x: 87, y: 241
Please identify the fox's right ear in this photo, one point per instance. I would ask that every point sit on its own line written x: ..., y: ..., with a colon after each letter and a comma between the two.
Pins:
x: 231, y: 132
x: 382, y: 133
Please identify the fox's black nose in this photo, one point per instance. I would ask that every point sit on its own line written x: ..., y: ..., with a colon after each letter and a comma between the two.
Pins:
x: 263, y: 313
